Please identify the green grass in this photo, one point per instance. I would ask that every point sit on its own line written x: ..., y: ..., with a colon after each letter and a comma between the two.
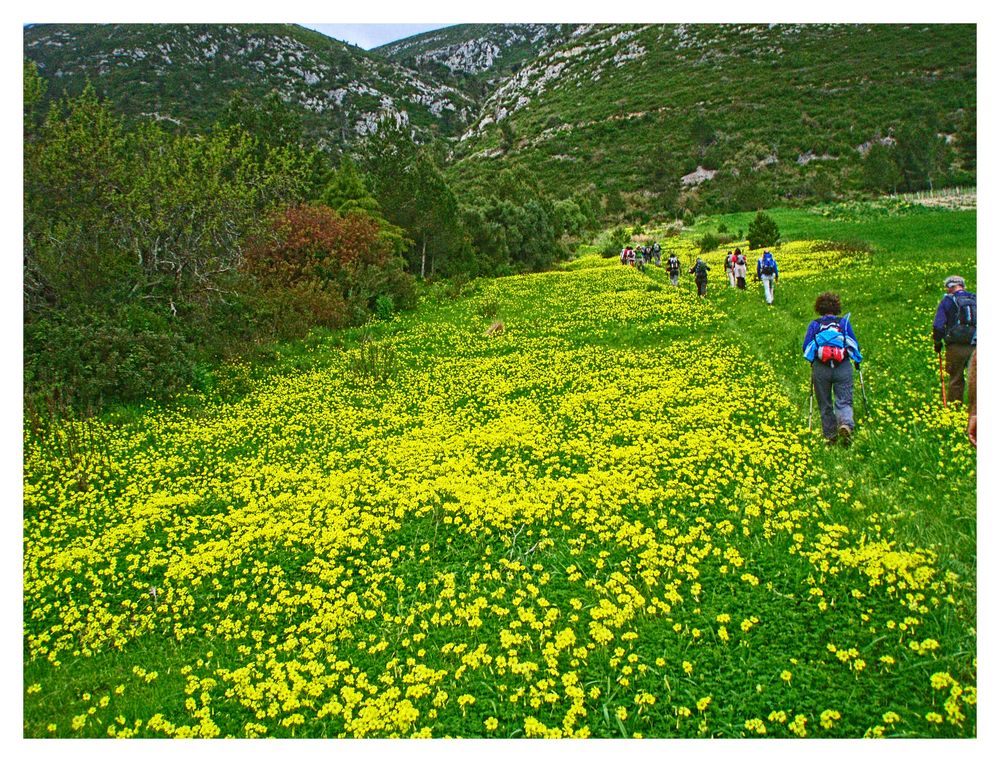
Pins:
x: 617, y: 494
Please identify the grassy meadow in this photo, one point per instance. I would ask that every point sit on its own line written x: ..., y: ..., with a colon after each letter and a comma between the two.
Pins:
x: 607, y: 519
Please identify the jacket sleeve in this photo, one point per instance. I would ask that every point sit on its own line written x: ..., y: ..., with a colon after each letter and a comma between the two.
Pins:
x: 941, y: 318
x: 810, y: 334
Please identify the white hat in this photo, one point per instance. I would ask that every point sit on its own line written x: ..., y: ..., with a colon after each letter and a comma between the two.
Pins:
x: 954, y: 280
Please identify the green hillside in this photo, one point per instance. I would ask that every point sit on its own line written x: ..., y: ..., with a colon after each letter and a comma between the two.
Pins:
x: 633, y: 109
x: 186, y: 74
x: 606, y: 519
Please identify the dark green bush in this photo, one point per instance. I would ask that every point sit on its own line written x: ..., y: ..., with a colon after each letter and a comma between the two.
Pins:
x: 763, y: 231
x: 128, y: 355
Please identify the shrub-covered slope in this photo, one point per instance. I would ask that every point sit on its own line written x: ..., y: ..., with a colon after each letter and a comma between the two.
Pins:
x: 187, y: 73
x: 641, y: 108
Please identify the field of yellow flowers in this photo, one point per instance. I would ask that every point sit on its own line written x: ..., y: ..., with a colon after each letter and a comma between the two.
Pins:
x: 608, y: 519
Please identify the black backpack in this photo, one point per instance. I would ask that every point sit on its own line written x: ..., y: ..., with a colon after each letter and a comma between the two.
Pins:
x: 962, y: 327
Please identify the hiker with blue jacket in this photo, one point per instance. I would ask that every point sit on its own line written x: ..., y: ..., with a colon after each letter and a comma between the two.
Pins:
x: 955, y: 330
x: 767, y: 273
x: 831, y: 346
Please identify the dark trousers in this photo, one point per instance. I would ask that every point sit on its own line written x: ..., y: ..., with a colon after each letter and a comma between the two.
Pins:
x: 834, y: 389
x: 956, y: 360
x: 702, y: 287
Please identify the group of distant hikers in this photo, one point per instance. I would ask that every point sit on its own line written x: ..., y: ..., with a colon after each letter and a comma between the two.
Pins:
x: 831, y: 347
x: 735, y: 265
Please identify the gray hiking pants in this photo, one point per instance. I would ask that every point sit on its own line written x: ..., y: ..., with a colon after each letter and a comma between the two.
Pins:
x: 836, y: 383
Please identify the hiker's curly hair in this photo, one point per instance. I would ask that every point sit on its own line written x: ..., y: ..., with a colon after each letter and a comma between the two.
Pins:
x: 828, y: 303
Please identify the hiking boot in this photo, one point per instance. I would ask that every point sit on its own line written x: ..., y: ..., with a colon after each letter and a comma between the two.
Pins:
x: 844, y: 432
x: 830, y: 441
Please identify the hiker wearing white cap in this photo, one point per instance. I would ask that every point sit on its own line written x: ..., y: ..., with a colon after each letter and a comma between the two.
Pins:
x: 955, y: 330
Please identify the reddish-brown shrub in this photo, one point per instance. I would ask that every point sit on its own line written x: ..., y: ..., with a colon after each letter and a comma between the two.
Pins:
x: 313, y: 242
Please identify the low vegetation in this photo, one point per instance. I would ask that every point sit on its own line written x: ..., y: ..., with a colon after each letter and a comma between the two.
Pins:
x: 608, y: 519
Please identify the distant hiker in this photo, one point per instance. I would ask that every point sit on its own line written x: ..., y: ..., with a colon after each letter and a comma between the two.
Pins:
x: 955, y: 328
x: 700, y: 270
x: 674, y: 268
x: 740, y: 269
x: 730, y: 262
x: 831, y: 346
x: 640, y: 261
x: 623, y: 257
x: 971, y: 430
x: 767, y: 273
x: 630, y: 256
x: 656, y: 253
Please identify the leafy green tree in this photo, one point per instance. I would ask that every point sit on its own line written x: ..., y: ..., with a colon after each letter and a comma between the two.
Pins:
x: 966, y: 140
x: 414, y: 195
x: 76, y: 178
x: 346, y: 190
x: 920, y: 151
x: 880, y: 169
x: 34, y: 90
x: 275, y: 126
x: 763, y: 231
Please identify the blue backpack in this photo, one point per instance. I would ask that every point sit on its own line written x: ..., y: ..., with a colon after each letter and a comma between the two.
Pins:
x: 832, y: 344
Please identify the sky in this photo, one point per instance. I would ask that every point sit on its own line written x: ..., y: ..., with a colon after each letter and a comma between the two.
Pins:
x: 368, y: 36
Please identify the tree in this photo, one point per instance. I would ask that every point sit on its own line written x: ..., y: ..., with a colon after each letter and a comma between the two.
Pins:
x: 966, y: 140
x: 880, y: 169
x: 414, y: 195
x: 702, y: 133
x: 34, y: 90
x: 920, y: 152
x: 763, y: 231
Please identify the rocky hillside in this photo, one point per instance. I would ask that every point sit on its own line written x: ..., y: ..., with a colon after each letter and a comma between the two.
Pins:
x: 642, y: 109
x: 636, y: 113
x: 186, y: 74
x: 476, y: 56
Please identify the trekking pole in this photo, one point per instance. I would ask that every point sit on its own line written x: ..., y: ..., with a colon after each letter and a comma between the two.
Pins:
x: 812, y: 393
x: 944, y: 402
x: 864, y: 394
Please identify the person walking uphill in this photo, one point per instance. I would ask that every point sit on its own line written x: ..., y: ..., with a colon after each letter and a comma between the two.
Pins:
x: 700, y: 270
x: 831, y: 346
x: 729, y: 262
x: 767, y: 274
x: 674, y: 268
x: 740, y: 270
x: 955, y: 329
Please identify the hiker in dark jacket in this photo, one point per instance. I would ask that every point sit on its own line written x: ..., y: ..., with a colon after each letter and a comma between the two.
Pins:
x: 955, y: 329
x: 674, y: 268
x: 729, y: 263
x: 700, y: 270
x: 831, y: 346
